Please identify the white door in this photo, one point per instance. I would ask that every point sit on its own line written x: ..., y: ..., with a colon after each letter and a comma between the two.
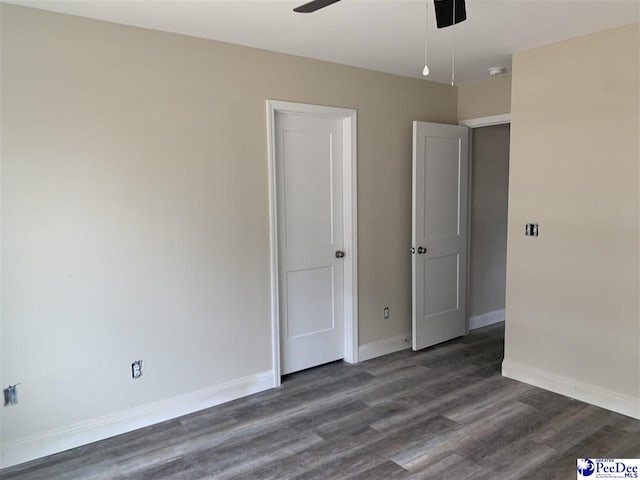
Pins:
x: 439, y: 233
x: 309, y: 170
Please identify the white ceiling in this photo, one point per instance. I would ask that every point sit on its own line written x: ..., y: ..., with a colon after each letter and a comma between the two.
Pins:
x: 384, y: 35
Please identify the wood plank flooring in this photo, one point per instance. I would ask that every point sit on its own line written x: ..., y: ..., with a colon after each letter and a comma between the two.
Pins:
x: 443, y: 413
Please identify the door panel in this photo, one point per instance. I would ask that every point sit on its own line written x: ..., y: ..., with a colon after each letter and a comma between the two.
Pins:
x: 441, y: 285
x: 439, y: 225
x: 442, y: 184
x: 308, y: 218
x: 308, y: 311
x: 309, y: 162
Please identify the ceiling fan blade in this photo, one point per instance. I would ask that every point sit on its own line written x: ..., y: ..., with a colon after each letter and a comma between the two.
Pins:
x: 314, y: 5
x: 445, y: 9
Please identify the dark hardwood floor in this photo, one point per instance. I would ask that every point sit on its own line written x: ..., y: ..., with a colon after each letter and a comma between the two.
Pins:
x: 442, y: 413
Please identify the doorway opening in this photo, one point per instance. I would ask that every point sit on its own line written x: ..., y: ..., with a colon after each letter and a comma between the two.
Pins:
x: 489, y: 198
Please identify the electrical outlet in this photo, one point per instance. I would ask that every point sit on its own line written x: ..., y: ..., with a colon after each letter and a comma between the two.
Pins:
x: 387, y: 313
x: 136, y: 369
x: 10, y: 395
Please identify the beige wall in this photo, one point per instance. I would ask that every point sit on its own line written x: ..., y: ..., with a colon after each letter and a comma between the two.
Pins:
x: 484, y: 98
x: 135, y: 209
x: 2, y: 383
x: 489, y: 200
x: 572, y: 293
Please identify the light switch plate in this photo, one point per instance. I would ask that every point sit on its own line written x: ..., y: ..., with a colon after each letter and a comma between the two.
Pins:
x: 136, y: 369
x: 10, y: 395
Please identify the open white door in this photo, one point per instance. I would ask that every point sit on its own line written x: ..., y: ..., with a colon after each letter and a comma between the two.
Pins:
x: 439, y: 233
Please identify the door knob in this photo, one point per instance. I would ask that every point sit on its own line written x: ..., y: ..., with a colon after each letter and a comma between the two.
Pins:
x: 422, y: 250
x: 339, y: 254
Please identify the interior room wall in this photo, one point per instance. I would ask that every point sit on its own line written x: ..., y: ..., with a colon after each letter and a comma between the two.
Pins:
x: 484, y: 98
x: 135, y: 216
x: 2, y: 383
x: 572, y: 293
x: 489, y: 202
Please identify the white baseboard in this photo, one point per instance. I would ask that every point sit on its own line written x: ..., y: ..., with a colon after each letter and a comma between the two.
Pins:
x: 58, y: 440
x: 485, y: 319
x: 585, y: 392
x: 384, y: 347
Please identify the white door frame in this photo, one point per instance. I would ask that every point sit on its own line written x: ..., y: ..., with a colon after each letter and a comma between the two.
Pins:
x: 486, y: 121
x: 476, y: 123
x: 350, y: 143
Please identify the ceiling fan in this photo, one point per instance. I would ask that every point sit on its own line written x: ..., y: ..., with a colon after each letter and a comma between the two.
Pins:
x: 445, y: 10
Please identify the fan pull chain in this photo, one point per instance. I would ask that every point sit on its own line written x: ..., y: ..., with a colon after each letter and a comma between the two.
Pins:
x: 453, y: 47
x: 425, y: 71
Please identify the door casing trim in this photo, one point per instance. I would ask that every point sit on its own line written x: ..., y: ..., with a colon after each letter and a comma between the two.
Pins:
x: 486, y: 121
x: 350, y: 219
